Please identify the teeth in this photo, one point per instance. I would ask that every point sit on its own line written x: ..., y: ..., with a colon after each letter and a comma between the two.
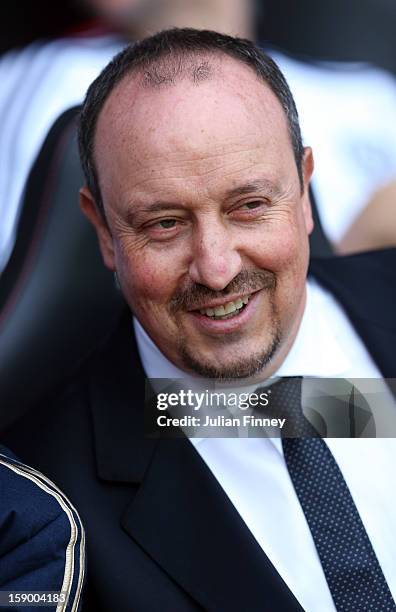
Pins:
x: 231, y: 307
x: 207, y: 311
x: 225, y: 309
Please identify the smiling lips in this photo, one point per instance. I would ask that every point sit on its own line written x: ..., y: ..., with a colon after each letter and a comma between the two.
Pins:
x: 227, y: 310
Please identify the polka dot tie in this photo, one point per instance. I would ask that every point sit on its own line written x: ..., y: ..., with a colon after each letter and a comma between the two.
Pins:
x: 348, y: 559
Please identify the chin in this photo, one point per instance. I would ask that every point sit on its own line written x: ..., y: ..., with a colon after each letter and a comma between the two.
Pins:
x: 244, y: 367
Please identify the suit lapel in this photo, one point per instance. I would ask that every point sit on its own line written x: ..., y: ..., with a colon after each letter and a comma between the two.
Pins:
x: 179, y: 515
x: 182, y: 518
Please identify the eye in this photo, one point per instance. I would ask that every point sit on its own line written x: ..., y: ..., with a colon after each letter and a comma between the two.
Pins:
x: 167, y: 223
x: 164, y: 229
x: 252, y: 205
x: 250, y: 209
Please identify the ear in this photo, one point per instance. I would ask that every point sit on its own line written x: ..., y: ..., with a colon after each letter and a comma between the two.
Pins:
x: 307, y: 171
x: 90, y: 210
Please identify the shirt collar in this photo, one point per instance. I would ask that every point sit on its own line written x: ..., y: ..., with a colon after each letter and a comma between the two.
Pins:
x: 316, y: 351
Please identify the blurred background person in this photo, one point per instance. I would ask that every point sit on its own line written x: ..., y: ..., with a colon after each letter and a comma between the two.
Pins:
x: 39, y: 82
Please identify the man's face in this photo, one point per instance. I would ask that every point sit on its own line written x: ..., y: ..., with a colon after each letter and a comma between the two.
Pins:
x: 207, y: 226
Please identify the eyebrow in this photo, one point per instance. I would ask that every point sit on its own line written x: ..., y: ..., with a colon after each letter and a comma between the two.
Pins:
x: 254, y: 187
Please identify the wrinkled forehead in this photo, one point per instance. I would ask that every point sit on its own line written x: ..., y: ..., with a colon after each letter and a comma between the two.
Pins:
x: 201, y: 102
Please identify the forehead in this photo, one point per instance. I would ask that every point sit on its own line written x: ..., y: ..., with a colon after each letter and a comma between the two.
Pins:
x: 231, y: 111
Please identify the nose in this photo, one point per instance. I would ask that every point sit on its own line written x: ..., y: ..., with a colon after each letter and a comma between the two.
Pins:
x: 215, y: 256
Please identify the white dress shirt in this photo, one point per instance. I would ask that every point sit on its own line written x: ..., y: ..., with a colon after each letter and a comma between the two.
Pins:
x: 253, y: 473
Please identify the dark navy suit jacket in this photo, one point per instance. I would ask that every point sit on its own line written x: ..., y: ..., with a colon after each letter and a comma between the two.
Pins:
x: 42, y: 542
x: 162, y: 535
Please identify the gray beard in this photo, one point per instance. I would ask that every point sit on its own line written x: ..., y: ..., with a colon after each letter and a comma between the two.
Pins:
x: 242, y: 368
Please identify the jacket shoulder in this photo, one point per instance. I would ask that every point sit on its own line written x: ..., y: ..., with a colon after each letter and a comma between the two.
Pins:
x: 365, y: 283
x: 355, y: 267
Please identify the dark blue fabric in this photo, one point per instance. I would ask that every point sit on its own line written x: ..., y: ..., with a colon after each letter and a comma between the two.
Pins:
x: 37, y: 526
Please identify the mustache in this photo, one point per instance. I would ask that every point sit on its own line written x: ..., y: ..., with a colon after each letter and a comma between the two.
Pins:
x: 192, y: 297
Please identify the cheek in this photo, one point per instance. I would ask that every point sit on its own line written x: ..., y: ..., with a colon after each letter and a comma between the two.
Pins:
x: 291, y: 274
x: 285, y: 253
x: 150, y: 277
